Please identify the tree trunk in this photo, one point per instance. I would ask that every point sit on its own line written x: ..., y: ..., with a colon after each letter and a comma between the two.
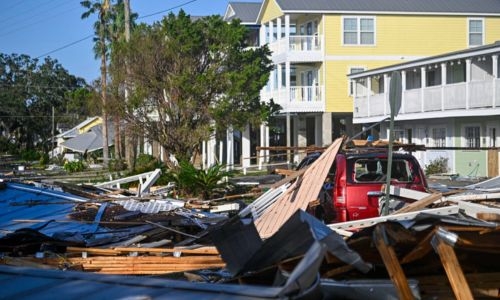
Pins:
x: 105, y: 148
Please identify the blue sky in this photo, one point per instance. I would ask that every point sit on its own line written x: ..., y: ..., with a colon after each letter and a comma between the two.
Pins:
x: 39, y: 27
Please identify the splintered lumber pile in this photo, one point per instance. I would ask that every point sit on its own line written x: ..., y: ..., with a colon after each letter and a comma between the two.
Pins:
x: 130, y: 261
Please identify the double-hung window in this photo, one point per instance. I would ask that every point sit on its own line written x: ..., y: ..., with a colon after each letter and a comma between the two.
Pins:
x: 439, y: 137
x: 476, y: 32
x: 472, y: 137
x: 358, y: 30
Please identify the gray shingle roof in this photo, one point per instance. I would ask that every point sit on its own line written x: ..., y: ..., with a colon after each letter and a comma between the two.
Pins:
x: 407, y: 6
x: 247, y: 12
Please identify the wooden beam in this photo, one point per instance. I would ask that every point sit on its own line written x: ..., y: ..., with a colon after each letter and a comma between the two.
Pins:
x: 420, y: 204
x: 391, y: 263
x: 452, y: 267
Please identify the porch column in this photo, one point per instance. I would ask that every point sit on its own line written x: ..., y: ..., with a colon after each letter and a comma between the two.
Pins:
x: 422, y: 87
x: 326, y: 129
x: 403, y: 89
x: 245, y: 149
x: 271, y: 32
x: 262, y: 34
x: 278, y: 30
x: 288, y: 137
x: 443, y: 83
x: 494, y: 61
x: 230, y: 148
x: 287, y: 86
x: 468, y: 63
x: 279, y: 84
x: 369, y: 92
x: 266, y: 142
x: 386, y: 93
x: 261, y: 153
x: 287, y: 32
x: 204, y: 155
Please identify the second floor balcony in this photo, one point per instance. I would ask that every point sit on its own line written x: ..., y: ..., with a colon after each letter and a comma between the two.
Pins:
x: 464, y: 84
x: 458, y: 97
x: 307, y: 48
x: 298, y: 99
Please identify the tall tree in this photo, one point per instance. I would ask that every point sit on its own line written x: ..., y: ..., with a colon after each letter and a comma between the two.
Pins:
x: 101, y: 49
x: 28, y: 92
x: 187, y: 74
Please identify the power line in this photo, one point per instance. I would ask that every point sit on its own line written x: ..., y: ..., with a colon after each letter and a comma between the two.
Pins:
x: 65, y: 46
x: 87, y: 37
x: 164, y: 11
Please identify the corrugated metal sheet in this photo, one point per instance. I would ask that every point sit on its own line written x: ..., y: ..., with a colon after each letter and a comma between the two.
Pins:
x: 420, y: 6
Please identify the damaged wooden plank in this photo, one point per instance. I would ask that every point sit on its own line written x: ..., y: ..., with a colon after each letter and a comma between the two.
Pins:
x: 420, y: 204
x: 391, y: 263
x: 450, y: 263
x: 305, y: 189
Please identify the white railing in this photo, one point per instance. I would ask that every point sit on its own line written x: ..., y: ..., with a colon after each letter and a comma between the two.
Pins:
x: 301, y: 43
x: 456, y: 96
x: 298, y: 98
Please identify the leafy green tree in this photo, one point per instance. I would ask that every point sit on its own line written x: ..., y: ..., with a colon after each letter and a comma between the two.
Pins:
x: 29, y: 91
x: 191, y: 77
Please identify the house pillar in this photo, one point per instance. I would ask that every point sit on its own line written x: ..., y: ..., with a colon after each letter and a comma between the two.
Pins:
x: 301, y: 126
x: 326, y: 126
x: 386, y: 94
x: 245, y: 149
x: 403, y: 89
x: 279, y: 84
x: 468, y: 63
x: 422, y: 87
x: 278, y: 30
x: 287, y: 85
x: 443, y: 83
x: 271, y: 32
x: 369, y: 92
x: 494, y: 61
x: 287, y: 32
x: 288, y: 137
x: 230, y: 149
x: 262, y: 33
x: 262, y: 153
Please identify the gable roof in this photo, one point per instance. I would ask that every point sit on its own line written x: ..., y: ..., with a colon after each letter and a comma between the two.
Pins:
x: 483, y: 7
x: 247, y: 12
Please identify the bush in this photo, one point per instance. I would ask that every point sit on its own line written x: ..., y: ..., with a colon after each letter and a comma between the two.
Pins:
x: 30, y: 155
x: 191, y: 181
x: 74, y: 166
x: 439, y: 165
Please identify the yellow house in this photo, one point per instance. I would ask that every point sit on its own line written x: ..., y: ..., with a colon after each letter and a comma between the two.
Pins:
x: 316, y: 43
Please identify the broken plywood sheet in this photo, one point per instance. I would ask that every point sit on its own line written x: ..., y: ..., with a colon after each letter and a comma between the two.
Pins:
x: 304, y: 190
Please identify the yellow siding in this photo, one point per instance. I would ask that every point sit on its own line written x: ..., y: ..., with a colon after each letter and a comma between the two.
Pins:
x: 492, y: 29
x: 337, y: 84
x: 408, y: 35
x: 398, y: 38
x: 270, y: 11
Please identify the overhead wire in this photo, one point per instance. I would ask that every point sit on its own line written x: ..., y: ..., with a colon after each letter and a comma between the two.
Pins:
x: 89, y: 36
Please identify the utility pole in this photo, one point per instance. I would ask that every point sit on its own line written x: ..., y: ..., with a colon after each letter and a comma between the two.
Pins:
x: 129, y: 144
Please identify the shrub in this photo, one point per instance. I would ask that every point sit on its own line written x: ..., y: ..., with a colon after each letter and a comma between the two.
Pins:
x: 74, y: 166
x: 438, y: 165
x: 191, y: 181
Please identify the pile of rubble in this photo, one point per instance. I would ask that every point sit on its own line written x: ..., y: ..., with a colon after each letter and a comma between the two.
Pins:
x: 441, y: 246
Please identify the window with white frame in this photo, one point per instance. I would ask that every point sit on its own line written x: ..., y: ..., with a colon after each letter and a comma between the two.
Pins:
x: 358, y: 30
x: 353, y: 70
x: 438, y: 137
x: 472, y: 136
x: 476, y: 32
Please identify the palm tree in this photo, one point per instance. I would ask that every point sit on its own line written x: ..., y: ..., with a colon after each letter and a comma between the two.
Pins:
x: 101, y: 48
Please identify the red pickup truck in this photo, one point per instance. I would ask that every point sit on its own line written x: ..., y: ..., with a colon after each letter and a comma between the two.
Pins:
x: 353, y: 187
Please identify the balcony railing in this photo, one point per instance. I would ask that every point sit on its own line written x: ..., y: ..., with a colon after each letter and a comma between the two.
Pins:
x: 298, y: 98
x: 457, y: 96
x: 297, y: 43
